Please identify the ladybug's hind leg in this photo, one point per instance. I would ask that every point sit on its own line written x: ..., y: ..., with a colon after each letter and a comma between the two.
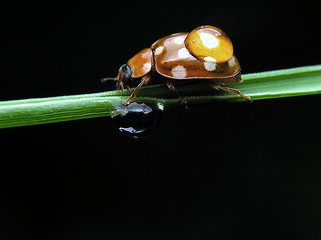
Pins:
x: 227, y: 89
x: 170, y: 85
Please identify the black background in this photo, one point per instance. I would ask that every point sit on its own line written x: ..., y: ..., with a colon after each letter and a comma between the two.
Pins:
x: 222, y: 171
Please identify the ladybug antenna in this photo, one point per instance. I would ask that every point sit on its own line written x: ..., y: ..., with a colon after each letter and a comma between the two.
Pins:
x: 103, y: 80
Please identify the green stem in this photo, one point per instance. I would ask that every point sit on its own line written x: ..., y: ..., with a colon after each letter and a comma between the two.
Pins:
x: 264, y: 85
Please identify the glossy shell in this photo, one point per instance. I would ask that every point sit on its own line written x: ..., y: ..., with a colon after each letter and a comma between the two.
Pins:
x: 207, y: 43
x: 141, y: 63
x: 173, y: 60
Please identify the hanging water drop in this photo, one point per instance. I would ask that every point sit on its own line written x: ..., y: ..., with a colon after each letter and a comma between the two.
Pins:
x: 138, y: 120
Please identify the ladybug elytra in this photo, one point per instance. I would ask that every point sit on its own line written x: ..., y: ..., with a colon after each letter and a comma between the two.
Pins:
x: 206, y: 53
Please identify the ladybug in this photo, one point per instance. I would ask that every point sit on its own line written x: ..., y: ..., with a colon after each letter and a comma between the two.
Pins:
x: 206, y: 53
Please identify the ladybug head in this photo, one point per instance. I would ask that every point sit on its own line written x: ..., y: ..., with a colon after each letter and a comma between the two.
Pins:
x: 123, y: 78
x: 126, y: 72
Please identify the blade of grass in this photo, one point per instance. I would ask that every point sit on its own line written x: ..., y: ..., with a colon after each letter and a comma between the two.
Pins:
x: 265, y: 85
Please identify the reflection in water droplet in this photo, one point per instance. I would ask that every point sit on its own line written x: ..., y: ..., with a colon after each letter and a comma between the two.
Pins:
x: 138, y: 120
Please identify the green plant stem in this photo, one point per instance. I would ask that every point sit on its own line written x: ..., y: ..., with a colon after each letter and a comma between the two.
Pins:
x: 264, y: 85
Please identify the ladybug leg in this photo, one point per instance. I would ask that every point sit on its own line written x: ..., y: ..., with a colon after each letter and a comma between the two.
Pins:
x: 120, y: 83
x: 144, y: 81
x: 128, y: 88
x: 227, y: 89
x: 170, y: 85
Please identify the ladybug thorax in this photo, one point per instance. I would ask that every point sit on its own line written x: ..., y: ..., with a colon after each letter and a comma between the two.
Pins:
x: 141, y: 63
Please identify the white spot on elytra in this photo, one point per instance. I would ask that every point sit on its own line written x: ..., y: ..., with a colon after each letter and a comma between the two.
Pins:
x: 231, y: 61
x: 210, y: 66
x: 210, y: 59
x: 209, y: 40
x: 179, y: 40
x: 183, y: 53
x: 179, y: 72
x: 147, y: 66
x: 159, y: 50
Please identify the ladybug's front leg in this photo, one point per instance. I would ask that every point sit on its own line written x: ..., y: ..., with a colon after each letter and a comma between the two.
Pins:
x: 144, y: 81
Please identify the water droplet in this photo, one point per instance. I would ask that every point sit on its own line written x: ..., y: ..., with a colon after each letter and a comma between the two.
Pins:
x: 138, y: 120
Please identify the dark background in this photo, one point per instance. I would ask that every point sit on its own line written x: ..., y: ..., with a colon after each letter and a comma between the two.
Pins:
x: 220, y: 171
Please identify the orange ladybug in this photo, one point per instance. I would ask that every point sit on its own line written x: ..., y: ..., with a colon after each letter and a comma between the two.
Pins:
x: 206, y: 53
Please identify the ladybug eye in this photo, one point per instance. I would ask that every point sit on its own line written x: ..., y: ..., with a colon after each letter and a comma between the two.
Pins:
x: 209, y: 44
